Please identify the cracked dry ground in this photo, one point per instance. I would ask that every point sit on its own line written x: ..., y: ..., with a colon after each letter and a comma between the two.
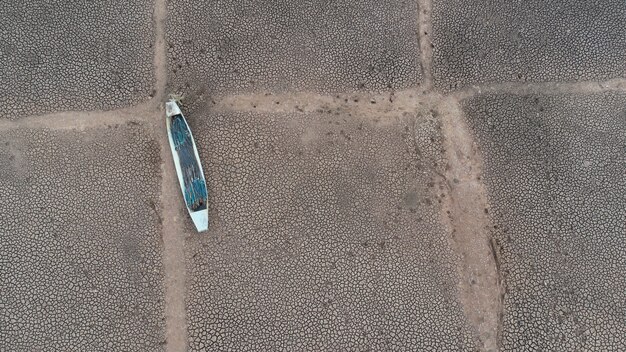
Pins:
x: 383, y: 176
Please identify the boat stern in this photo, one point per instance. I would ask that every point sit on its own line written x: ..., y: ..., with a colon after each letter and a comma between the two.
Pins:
x: 201, y: 220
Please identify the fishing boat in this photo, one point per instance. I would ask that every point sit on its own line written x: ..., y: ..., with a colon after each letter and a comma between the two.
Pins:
x: 188, y: 167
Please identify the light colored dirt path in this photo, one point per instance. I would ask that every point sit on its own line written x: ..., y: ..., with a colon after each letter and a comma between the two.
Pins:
x: 173, y: 249
x: 79, y: 119
x: 584, y: 87
x: 171, y: 203
x: 160, y: 51
x: 426, y: 49
x: 465, y: 212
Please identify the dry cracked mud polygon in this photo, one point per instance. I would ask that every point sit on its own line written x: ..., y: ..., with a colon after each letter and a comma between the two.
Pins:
x: 80, y: 248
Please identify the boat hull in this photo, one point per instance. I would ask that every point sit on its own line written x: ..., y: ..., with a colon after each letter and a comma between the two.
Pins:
x: 188, y: 166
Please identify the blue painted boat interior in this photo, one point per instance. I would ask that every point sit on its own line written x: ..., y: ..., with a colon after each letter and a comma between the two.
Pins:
x: 195, y: 186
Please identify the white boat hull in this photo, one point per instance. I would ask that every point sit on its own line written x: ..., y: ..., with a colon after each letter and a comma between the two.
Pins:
x: 188, y: 166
